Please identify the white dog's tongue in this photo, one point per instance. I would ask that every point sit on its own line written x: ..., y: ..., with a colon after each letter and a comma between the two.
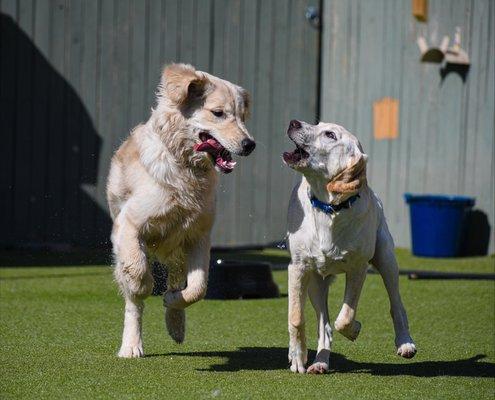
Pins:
x: 222, y: 157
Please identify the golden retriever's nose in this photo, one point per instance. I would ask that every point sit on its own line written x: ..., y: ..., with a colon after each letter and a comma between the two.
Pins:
x: 295, y: 124
x: 248, y: 146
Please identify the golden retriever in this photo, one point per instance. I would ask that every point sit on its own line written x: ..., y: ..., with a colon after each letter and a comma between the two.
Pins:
x: 161, y: 193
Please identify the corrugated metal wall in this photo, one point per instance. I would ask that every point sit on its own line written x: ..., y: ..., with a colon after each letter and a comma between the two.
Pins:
x: 76, y: 76
x: 446, y: 129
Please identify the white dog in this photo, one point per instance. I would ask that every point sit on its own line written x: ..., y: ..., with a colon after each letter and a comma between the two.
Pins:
x: 161, y: 193
x: 336, y: 225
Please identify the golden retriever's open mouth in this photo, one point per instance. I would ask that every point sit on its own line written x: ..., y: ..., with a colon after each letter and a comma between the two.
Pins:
x: 295, y: 157
x: 221, y: 157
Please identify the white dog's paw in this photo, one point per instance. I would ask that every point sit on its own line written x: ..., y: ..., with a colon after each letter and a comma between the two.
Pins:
x: 318, y: 368
x: 131, y: 351
x: 406, y: 350
x: 349, y: 330
x: 298, y: 359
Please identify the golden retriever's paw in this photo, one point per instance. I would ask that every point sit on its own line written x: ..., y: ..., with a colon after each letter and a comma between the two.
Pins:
x: 318, y: 368
x: 349, y: 330
x: 131, y: 351
x: 298, y: 358
x: 407, y: 350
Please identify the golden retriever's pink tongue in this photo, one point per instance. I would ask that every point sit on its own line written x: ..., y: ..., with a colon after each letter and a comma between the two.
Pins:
x: 221, y: 156
x: 226, y: 166
x: 210, y: 146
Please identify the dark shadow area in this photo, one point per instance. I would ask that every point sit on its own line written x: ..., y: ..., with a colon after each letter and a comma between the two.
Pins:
x: 228, y: 280
x: 54, y: 276
x: 50, y: 258
x: 459, y: 69
x: 50, y: 149
x: 476, y: 234
x: 275, y: 358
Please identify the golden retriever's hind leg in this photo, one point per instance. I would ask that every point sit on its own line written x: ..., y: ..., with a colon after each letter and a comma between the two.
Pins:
x: 175, y: 319
x: 135, y: 280
x: 197, y: 263
x: 132, y: 343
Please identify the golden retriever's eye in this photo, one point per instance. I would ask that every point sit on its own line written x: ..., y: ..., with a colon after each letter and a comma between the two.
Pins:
x: 331, y: 135
x: 218, y: 113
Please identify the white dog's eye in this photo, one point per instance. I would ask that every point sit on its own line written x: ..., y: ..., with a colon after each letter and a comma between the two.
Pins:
x: 331, y: 135
x: 217, y: 113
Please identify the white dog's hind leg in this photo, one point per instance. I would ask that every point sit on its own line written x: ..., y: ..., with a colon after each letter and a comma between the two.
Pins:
x: 345, y: 322
x: 298, y: 286
x: 318, y: 294
x: 385, y: 262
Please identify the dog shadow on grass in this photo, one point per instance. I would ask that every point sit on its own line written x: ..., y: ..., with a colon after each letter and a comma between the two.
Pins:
x: 275, y: 358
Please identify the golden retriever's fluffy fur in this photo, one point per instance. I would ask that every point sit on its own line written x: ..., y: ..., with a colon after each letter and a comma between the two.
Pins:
x: 161, y: 193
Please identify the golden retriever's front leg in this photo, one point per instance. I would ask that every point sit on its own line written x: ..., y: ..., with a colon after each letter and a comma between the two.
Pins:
x: 197, y: 263
x: 298, y: 287
x: 135, y: 280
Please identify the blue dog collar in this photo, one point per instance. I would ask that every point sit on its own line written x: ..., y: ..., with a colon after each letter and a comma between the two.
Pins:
x: 329, y: 208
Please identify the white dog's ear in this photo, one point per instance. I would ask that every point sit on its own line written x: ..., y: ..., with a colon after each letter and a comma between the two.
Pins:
x: 181, y: 82
x: 350, y: 179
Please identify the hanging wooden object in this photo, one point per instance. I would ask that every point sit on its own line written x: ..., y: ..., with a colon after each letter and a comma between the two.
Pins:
x: 420, y: 9
x: 432, y: 54
x: 386, y: 118
x: 456, y: 54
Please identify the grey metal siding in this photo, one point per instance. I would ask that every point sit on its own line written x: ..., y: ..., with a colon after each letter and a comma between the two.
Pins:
x: 76, y: 76
x: 446, y: 131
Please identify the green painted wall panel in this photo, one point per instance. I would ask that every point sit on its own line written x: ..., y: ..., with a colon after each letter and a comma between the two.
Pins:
x: 446, y: 138
x: 94, y: 71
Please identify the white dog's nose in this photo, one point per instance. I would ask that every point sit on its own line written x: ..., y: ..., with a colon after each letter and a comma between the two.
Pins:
x: 295, y: 124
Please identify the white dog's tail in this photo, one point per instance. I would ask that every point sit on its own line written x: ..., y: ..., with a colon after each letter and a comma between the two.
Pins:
x: 176, y: 323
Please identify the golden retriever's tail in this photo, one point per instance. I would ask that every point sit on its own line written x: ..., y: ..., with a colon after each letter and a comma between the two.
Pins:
x: 176, y: 323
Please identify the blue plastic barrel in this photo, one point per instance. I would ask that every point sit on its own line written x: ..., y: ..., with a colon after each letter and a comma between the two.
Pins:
x: 437, y: 223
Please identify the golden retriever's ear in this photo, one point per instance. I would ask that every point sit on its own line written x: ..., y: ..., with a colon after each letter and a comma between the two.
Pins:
x: 181, y: 82
x: 350, y: 179
x: 246, y: 98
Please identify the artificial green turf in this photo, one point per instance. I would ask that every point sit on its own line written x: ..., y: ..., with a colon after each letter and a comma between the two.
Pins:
x: 60, y: 329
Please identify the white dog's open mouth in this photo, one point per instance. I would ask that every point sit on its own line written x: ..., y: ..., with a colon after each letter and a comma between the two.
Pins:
x: 295, y: 157
x: 221, y: 157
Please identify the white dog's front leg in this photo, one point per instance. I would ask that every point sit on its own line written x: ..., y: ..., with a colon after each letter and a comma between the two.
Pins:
x: 132, y: 344
x: 198, y: 263
x: 298, y: 286
x: 345, y: 322
x: 318, y: 294
x: 385, y: 262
